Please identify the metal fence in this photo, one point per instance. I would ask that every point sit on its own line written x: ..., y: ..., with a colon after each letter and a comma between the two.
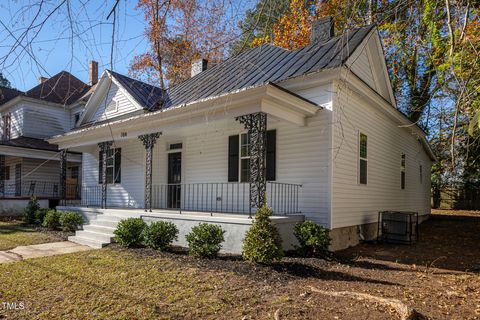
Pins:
x: 227, y: 197
x: 39, y: 189
x: 221, y: 197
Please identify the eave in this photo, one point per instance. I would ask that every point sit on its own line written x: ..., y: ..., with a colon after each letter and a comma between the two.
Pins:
x: 268, y: 98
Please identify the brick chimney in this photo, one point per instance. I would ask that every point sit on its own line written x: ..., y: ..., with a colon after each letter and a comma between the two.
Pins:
x: 93, y: 72
x: 42, y: 79
x: 322, y: 30
x: 198, y: 66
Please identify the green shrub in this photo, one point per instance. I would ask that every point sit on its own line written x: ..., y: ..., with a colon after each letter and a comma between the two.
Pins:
x: 262, y: 241
x: 160, y: 235
x: 70, y: 221
x: 30, y: 209
x: 313, y: 238
x: 205, y: 240
x: 52, y: 219
x: 129, y: 232
x: 40, y: 215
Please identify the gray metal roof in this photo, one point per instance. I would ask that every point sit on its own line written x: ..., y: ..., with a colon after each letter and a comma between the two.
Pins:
x: 148, y: 96
x: 256, y: 66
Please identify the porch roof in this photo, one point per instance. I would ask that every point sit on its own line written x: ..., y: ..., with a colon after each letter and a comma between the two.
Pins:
x: 269, y: 98
x: 34, y: 148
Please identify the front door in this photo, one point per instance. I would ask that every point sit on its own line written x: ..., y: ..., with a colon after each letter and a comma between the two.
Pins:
x: 174, y: 189
x: 18, y: 180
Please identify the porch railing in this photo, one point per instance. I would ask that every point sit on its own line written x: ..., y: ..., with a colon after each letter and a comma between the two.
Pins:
x: 39, y: 189
x: 226, y: 197
x: 221, y: 197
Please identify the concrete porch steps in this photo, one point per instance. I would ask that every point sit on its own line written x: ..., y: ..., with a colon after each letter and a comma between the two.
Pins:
x: 99, y: 232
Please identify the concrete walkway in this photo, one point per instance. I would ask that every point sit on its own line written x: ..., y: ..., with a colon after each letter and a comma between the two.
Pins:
x: 40, y: 250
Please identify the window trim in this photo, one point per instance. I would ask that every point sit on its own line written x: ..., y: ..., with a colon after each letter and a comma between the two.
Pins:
x: 114, y: 151
x: 420, y: 168
x: 113, y: 110
x: 240, y: 157
x: 6, y: 126
x: 403, y: 171
x: 360, y: 159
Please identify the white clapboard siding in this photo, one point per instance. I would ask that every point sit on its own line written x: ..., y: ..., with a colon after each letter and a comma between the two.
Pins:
x: 124, y: 105
x: 17, y: 121
x: 128, y: 193
x: 354, y: 204
x: 362, y: 67
x: 42, y: 121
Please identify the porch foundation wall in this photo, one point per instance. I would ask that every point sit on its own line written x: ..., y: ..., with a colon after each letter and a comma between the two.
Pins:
x: 345, y: 237
x: 15, y: 207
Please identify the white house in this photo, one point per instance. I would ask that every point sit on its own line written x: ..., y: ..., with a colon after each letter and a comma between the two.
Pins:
x: 29, y: 165
x: 316, y: 130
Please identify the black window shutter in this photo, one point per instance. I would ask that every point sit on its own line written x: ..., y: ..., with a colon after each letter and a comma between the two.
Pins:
x: 233, y: 145
x: 118, y: 165
x: 100, y: 167
x: 271, y: 154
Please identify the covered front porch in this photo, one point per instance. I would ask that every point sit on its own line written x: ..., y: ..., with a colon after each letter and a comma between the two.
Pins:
x: 205, y: 157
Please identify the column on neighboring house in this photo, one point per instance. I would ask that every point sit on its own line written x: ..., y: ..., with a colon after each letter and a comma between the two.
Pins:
x: 256, y: 124
x: 2, y: 175
x: 104, y: 147
x: 63, y: 175
x: 148, y: 141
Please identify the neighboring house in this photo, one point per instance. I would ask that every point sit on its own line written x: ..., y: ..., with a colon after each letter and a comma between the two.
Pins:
x: 316, y: 130
x: 30, y: 166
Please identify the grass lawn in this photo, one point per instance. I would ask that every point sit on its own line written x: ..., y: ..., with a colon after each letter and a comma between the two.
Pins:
x: 116, y: 283
x: 15, y: 233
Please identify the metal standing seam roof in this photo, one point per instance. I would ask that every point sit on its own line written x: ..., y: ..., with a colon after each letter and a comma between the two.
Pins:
x: 256, y: 66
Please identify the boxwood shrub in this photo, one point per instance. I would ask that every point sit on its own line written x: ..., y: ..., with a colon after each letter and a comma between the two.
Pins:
x: 205, y: 240
x: 71, y: 221
x: 129, y: 232
x: 160, y: 235
x: 52, y: 219
x: 40, y: 215
x: 262, y: 242
x: 313, y: 238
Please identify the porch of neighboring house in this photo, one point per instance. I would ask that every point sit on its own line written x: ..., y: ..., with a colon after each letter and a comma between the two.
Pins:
x: 26, y: 173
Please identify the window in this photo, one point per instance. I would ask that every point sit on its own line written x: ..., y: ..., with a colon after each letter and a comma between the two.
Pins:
x: 114, y: 157
x: 362, y: 159
x: 7, y: 173
x: 175, y: 146
x: 420, y: 168
x: 74, y: 172
x: 239, y: 157
x: 112, y: 106
x: 402, y: 171
x: 7, y: 126
x: 244, y: 157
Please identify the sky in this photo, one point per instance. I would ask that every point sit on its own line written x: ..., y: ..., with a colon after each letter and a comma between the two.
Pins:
x: 48, y: 48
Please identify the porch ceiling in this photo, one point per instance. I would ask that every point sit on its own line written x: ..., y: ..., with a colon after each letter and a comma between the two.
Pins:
x: 269, y: 98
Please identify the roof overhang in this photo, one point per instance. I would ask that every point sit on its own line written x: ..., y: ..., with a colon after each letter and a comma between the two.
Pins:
x: 15, y: 151
x: 268, y: 98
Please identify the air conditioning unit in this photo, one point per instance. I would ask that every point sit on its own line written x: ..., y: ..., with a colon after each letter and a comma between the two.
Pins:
x: 398, y: 227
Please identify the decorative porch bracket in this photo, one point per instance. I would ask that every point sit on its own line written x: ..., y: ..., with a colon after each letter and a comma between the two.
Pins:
x: 256, y: 124
x: 63, y: 175
x: 2, y: 175
x: 149, y: 141
x: 104, y: 147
